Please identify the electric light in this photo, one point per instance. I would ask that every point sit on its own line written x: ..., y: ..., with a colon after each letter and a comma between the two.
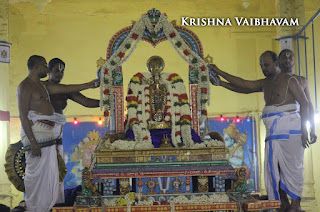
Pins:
x: 238, y: 119
x: 100, y: 121
x: 221, y: 118
x: 75, y: 122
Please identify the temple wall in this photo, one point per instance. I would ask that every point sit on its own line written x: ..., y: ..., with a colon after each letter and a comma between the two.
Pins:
x: 79, y: 32
x: 5, y: 185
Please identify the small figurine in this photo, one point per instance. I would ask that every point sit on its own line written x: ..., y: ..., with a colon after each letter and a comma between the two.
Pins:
x: 88, y: 188
x: 241, y: 184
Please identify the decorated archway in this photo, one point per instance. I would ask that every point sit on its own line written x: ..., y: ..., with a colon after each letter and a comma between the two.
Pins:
x: 153, y: 27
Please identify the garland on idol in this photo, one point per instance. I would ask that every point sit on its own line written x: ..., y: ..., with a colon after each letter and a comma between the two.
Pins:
x: 177, y: 109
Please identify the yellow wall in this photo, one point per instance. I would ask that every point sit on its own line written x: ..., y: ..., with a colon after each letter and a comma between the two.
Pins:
x: 78, y: 32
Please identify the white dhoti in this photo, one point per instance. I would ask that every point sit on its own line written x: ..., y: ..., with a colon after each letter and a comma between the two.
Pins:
x: 283, y: 165
x: 58, y: 132
x: 41, y: 174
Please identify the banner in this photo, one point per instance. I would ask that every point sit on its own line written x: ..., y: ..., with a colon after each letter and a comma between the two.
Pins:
x: 5, y: 52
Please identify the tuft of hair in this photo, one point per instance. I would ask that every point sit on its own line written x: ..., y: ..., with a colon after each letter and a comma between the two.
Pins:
x: 33, y: 60
x: 285, y: 50
x: 55, y: 61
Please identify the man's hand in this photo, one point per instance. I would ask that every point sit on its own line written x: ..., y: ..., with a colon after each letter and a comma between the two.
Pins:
x: 35, y: 149
x: 304, y: 138
x: 213, y: 67
x: 94, y: 83
x: 313, y: 138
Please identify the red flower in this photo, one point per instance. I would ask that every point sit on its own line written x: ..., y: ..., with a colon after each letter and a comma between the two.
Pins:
x: 106, y: 113
x: 134, y: 36
x: 204, y: 112
x: 186, y: 52
x: 140, y: 76
x: 171, y: 76
x: 172, y: 35
x: 106, y: 91
x: 121, y: 54
x: 178, y: 133
x: 133, y: 120
x: 204, y: 90
x: 145, y: 138
x: 132, y: 98
x: 106, y: 71
x: 186, y: 117
x: 183, y: 97
x: 130, y: 91
x: 203, y: 68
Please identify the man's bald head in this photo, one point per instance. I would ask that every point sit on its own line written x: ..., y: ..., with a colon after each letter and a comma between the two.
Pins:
x: 38, y: 64
x: 35, y: 60
x: 286, y: 58
x: 269, y: 63
x: 272, y: 54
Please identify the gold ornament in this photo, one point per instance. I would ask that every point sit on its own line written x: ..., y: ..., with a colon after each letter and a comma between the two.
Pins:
x: 124, y: 186
x: 100, y: 62
x: 208, y: 59
x: 86, y: 179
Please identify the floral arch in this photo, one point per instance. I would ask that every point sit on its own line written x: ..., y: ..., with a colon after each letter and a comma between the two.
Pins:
x: 153, y: 27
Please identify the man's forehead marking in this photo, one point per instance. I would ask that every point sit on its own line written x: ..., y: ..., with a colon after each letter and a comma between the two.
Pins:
x: 61, y: 67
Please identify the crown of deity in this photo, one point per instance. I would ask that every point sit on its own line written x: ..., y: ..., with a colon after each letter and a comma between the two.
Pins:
x: 155, y: 65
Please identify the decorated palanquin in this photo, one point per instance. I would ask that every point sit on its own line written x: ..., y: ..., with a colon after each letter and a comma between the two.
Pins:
x: 159, y: 159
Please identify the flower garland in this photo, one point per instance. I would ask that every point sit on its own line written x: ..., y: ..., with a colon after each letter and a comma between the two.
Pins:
x: 128, y: 46
x: 140, y: 199
x: 177, y: 110
x: 209, y: 143
x: 137, y: 110
x: 120, y: 56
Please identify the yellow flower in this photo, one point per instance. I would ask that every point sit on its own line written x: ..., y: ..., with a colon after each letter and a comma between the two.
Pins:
x: 130, y: 196
x: 121, y: 201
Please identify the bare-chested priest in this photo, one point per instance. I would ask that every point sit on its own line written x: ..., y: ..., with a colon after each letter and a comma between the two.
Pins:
x: 37, y: 121
x: 286, y: 59
x: 286, y: 132
x: 59, y: 103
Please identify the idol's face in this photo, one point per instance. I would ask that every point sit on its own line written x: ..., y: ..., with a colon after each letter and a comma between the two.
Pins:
x: 268, y: 66
x: 286, y: 61
x: 56, y: 73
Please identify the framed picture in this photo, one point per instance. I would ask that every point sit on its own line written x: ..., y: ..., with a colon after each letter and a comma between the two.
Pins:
x: 241, y: 141
x: 79, y: 143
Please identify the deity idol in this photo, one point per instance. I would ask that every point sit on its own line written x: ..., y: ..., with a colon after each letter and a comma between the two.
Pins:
x: 158, y: 108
